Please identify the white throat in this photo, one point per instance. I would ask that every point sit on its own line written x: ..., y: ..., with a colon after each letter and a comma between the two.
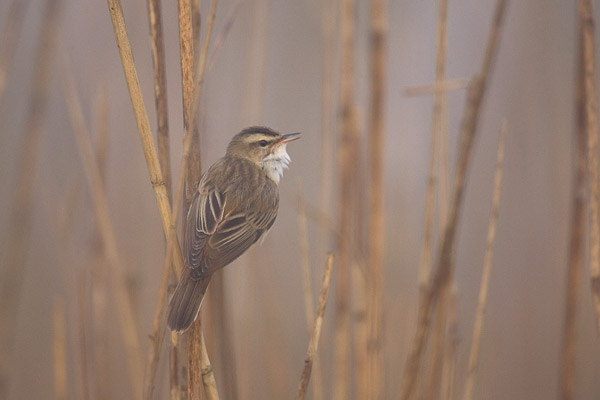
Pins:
x: 276, y: 162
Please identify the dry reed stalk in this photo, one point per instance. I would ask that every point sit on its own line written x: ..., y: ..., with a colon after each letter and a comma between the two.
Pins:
x: 444, y: 269
x: 14, y: 255
x: 329, y: 22
x: 449, y: 374
x: 487, y: 268
x: 161, y: 103
x: 63, y: 227
x: 101, y: 212
x: 208, y: 375
x: 186, y: 54
x: 313, y: 345
x: 82, y: 333
x: 229, y: 20
x: 137, y: 101
x: 376, y: 235
x: 443, y: 86
x: 100, y: 367
x: 576, y: 237
x: 191, y: 151
x: 200, y: 371
x: 10, y: 37
x: 190, y: 174
x: 255, y: 63
x: 586, y: 21
x: 196, y: 31
x: 430, y: 382
x: 425, y: 259
x: 437, y: 180
x: 346, y: 151
x: 158, y: 330
x: 174, y: 387
x: 441, y: 108
x: 307, y: 287
x: 59, y: 347
x: 160, y: 90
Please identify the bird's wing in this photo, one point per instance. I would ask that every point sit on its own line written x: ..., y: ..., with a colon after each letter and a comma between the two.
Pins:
x: 206, y: 211
x: 219, y: 231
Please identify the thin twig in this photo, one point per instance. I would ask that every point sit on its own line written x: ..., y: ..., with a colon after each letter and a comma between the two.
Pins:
x: 314, y: 339
x: 444, y: 271
x: 586, y: 21
x: 487, y: 268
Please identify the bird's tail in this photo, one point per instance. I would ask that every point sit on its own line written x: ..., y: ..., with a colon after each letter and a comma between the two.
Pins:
x: 186, y: 301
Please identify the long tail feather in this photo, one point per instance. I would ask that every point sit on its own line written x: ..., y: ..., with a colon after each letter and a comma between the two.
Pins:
x: 186, y: 301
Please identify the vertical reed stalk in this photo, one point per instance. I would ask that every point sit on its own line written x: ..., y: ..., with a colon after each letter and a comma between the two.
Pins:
x: 346, y: 151
x: 14, y: 256
x: 100, y: 365
x: 314, y: 339
x: 10, y: 37
x: 577, y: 234
x: 160, y: 90
x: 123, y: 304
x: 586, y: 21
x: 487, y: 268
x: 160, y: 97
x: 137, y: 101
x: 197, y: 354
x: 59, y: 347
x: 374, y: 279
x: 444, y: 271
x: 307, y: 286
x: 449, y: 371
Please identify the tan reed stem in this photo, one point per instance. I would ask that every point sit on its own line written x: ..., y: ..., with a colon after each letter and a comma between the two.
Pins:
x: 348, y: 136
x: 14, y: 256
x: 376, y: 235
x: 59, y: 347
x: 586, y: 18
x: 444, y: 269
x: 487, y: 268
x: 307, y: 288
x: 10, y: 37
x: 314, y: 339
x: 160, y: 97
x: 137, y: 101
x: 101, y: 211
x: 577, y: 234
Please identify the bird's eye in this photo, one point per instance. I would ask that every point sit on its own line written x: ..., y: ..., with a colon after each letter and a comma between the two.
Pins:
x: 263, y: 143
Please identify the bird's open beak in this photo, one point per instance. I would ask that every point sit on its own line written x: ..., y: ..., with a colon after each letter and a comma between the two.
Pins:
x: 289, y: 137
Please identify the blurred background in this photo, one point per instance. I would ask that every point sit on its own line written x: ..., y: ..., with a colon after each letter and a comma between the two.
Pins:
x: 278, y: 62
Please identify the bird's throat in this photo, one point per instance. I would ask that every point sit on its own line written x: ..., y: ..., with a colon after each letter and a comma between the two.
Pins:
x: 275, y: 163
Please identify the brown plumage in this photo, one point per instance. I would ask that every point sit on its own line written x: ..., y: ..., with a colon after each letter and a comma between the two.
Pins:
x: 235, y: 204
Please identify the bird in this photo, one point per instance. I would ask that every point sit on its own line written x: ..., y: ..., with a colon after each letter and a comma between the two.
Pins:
x: 235, y: 205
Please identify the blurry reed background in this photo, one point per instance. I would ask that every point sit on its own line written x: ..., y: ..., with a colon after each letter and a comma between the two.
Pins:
x: 288, y: 65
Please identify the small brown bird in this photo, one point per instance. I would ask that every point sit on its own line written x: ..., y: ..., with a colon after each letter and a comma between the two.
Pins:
x: 236, y: 203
